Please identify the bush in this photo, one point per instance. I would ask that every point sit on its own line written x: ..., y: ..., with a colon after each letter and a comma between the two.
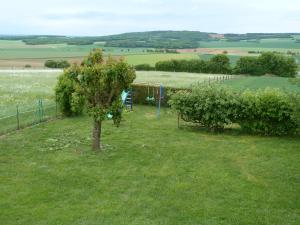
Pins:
x: 210, y: 106
x: 144, y: 67
x: 249, y: 65
x: 68, y: 94
x: 27, y: 66
x: 57, y: 64
x: 267, y: 112
x: 267, y: 63
x: 217, y: 64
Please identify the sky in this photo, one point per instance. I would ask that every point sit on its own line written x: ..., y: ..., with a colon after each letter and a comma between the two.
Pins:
x: 98, y: 17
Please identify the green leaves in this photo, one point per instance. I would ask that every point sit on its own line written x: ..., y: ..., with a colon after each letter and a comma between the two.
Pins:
x: 267, y: 112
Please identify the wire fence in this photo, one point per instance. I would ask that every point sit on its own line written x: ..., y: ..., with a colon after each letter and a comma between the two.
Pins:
x: 24, y: 118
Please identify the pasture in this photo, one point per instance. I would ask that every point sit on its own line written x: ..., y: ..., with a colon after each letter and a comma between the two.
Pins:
x: 252, y: 82
x: 271, y: 44
x: 150, y: 172
x: 25, y: 87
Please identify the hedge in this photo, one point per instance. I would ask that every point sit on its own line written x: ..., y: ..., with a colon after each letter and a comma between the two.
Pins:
x: 267, y: 112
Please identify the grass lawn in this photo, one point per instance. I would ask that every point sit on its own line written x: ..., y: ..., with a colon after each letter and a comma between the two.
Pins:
x: 150, y: 172
x: 254, y: 82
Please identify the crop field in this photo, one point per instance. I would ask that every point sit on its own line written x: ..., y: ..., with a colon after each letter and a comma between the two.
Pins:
x: 16, y: 54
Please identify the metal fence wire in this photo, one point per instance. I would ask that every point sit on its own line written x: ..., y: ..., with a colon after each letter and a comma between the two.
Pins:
x: 35, y: 115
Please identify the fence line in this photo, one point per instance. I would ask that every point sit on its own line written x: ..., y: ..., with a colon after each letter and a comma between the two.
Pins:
x: 20, y: 119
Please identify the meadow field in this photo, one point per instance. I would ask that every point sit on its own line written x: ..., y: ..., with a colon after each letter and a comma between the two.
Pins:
x: 25, y: 87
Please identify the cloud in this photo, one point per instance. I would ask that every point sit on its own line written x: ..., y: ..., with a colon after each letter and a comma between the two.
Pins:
x: 81, y: 17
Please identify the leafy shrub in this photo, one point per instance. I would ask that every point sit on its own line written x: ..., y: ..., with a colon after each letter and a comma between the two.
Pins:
x: 144, y: 67
x: 217, y: 64
x: 249, y: 65
x: 210, y: 106
x: 68, y: 94
x: 57, y: 64
x: 278, y: 64
x: 268, y: 112
x: 267, y: 63
x: 27, y: 66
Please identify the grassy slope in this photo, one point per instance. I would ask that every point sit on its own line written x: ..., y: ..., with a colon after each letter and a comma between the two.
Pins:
x: 262, y: 82
x: 265, y: 44
x: 153, y: 58
x: 150, y: 173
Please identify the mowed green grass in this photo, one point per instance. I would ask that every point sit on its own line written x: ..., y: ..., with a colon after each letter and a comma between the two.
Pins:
x: 150, y: 172
x: 254, y: 82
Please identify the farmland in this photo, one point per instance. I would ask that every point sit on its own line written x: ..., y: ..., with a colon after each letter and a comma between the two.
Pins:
x: 16, y: 54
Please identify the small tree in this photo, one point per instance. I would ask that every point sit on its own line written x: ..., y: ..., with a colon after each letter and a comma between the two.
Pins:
x: 102, y: 84
x: 98, y: 86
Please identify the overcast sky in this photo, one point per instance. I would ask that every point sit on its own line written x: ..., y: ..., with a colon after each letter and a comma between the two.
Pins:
x: 97, y: 17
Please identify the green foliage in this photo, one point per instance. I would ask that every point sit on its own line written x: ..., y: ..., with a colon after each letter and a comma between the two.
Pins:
x: 103, y: 83
x: 210, y: 106
x: 249, y: 65
x: 68, y: 93
x: 144, y: 67
x: 217, y: 64
x: 267, y: 112
x: 57, y: 64
x: 278, y: 64
x: 267, y: 63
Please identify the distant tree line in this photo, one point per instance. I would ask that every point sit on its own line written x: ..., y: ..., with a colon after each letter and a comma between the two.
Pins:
x: 267, y: 63
x: 57, y: 64
x: 152, y: 39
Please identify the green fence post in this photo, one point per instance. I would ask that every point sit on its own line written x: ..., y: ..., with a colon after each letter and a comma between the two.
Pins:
x: 18, y: 119
x: 55, y: 106
x: 42, y: 110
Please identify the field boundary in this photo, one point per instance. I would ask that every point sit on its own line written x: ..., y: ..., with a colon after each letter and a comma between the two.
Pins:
x: 23, y: 119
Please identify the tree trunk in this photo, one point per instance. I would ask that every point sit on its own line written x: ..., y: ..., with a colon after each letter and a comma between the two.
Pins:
x: 97, y: 136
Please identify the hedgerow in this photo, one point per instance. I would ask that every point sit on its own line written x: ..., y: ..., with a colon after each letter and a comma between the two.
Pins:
x: 267, y: 112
